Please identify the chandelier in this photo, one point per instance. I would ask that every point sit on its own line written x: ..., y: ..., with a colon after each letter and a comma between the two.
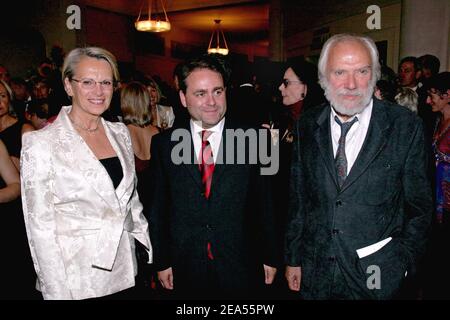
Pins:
x: 152, y: 25
x: 218, y: 43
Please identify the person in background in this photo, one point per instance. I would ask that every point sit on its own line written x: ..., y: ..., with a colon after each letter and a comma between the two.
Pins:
x: 80, y: 204
x: 134, y: 101
x: 162, y: 116
x: 436, y: 278
x: 408, y: 98
x: 4, y: 74
x: 439, y: 100
x: 409, y: 73
x: 11, y: 129
x: 20, y: 279
x: 37, y: 113
x: 22, y: 97
x: 430, y: 65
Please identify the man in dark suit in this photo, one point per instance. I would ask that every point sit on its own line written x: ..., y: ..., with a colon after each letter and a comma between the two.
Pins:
x: 211, y: 223
x: 361, y: 204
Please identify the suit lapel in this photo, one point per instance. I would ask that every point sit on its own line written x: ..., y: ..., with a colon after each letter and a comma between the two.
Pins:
x: 322, y: 135
x: 376, y: 138
x: 93, y: 171
x: 125, y: 160
x: 192, y: 167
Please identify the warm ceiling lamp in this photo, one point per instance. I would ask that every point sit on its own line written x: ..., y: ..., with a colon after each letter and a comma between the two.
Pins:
x: 218, y: 43
x: 152, y: 25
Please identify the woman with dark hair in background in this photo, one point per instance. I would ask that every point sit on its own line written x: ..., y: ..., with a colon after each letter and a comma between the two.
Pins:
x: 300, y: 91
x: 437, y: 279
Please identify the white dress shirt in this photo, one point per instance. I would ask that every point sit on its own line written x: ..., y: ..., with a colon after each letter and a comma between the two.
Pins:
x: 355, y: 137
x: 214, y: 139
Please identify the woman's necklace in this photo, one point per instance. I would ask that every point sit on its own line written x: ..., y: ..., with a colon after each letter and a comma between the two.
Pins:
x: 85, y: 128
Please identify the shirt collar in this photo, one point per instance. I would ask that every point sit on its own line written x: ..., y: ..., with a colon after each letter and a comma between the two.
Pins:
x: 196, y: 127
x: 363, y: 116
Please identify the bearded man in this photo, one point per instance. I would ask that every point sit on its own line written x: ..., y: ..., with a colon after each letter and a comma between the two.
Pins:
x: 361, y: 200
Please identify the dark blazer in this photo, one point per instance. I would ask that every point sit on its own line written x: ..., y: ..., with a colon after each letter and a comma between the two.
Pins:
x: 237, y: 220
x: 386, y: 194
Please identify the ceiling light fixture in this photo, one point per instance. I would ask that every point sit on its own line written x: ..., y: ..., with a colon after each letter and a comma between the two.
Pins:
x: 218, y: 38
x: 152, y: 25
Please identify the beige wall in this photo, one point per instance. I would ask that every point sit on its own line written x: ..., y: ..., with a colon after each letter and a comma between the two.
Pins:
x: 109, y: 30
x: 299, y: 44
x: 426, y: 29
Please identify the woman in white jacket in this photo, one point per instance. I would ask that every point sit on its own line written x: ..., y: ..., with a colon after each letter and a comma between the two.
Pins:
x: 82, y: 211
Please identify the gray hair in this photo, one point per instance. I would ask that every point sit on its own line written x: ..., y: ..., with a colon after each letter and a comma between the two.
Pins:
x: 344, y: 37
x: 407, y: 97
x: 75, y: 56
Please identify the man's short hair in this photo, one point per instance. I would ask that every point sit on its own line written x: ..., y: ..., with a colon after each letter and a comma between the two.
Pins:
x: 206, y: 61
x: 430, y: 62
x: 39, y: 107
x: 408, y: 98
x: 414, y: 61
x: 439, y: 82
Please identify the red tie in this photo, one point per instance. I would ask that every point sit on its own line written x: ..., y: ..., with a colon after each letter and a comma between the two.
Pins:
x: 207, y: 169
x: 206, y: 163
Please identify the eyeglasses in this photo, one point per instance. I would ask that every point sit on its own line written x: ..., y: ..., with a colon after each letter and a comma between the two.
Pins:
x: 286, y: 82
x: 89, y: 84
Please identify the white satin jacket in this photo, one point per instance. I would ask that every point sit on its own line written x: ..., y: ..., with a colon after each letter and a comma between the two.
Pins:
x: 80, y: 229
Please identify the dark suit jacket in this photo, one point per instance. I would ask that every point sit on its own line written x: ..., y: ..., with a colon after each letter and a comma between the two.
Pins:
x: 236, y: 219
x: 386, y: 194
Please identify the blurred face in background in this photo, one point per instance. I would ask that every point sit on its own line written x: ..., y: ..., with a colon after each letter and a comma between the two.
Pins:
x: 4, y: 74
x: 4, y: 101
x: 438, y: 101
x: 407, y: 75
x: 292, y: 89
x: 41, y: 90
x: 20, y: 91
x: 154, y: 95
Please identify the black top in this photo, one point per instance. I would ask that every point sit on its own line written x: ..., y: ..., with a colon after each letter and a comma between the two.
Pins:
x: 114, y: 168
x: 12, y: 138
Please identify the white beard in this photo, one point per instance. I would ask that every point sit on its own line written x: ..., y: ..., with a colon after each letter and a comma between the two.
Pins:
x: 355, y: 107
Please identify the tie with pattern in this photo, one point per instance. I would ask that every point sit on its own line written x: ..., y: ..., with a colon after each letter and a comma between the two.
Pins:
x: 341, y: 159
x: 207, y: 169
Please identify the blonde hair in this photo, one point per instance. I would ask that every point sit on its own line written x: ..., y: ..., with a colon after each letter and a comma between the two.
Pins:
x: 408, y: 98
x: 134, y: 102
x: 74, y: 57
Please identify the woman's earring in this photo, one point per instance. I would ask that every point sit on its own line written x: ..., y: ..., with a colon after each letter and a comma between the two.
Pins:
x: 303, y: 95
